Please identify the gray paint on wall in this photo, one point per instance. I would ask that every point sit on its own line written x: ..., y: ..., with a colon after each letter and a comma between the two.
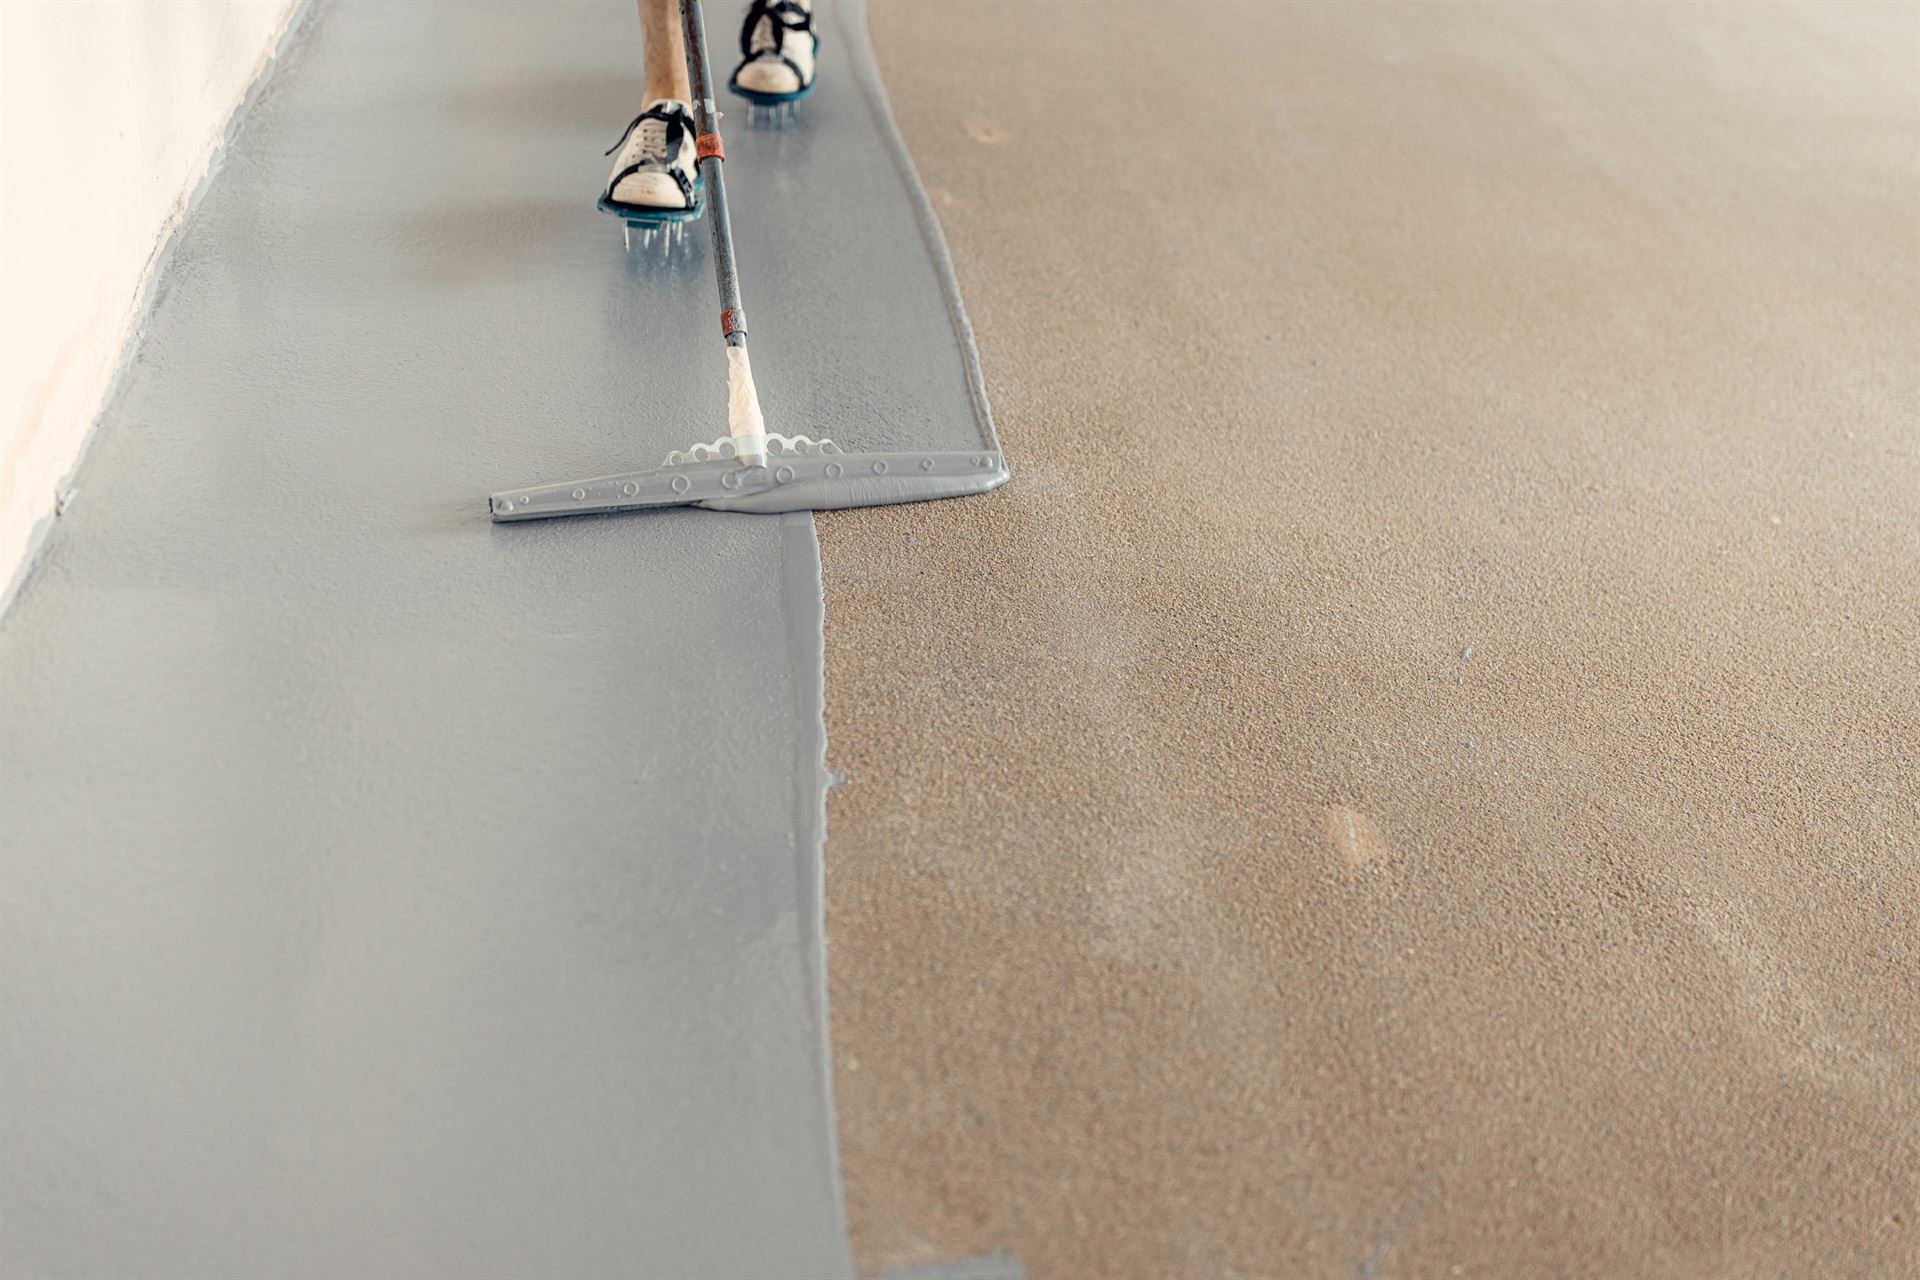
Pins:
x: 383, y: 891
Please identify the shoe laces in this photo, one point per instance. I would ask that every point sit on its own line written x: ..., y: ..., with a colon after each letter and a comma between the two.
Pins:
x: 653, y: 139
x: 763, y: 39
x: 769, y: 30
x: 654, y: 130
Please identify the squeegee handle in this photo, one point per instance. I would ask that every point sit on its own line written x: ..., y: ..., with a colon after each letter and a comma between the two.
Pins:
x: 733, y: 319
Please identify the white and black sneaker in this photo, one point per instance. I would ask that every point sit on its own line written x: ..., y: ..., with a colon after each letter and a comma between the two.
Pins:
x: 778, y: 48
x: 657, y: 171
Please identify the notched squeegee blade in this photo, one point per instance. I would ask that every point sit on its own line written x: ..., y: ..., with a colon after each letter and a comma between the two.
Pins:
x: 806, y: 482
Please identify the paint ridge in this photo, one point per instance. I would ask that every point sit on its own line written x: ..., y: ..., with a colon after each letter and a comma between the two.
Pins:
x: 866, y: 69
x: 804, y: 605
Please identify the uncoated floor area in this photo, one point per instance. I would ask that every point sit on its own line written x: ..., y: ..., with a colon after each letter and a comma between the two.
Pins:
x: 1419, y: 774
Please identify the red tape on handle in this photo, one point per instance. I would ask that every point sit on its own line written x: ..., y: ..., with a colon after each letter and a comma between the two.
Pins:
x: 709, y: 144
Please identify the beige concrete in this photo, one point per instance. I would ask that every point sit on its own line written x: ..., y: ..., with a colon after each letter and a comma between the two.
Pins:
x: 1198, y: 905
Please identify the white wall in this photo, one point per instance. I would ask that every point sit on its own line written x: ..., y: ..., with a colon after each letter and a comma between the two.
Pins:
x: 110, y: 112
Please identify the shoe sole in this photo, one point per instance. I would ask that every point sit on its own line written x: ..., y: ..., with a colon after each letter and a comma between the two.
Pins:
x: 640, y: 215
x: 759, y: 99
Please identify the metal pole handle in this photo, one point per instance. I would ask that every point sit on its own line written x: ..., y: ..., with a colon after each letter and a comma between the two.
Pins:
x: 733, y: 319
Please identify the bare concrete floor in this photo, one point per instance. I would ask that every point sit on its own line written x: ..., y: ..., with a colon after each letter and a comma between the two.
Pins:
x: 1419, y: 775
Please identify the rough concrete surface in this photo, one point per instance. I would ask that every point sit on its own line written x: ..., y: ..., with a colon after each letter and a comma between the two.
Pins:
x: 1419, y: 775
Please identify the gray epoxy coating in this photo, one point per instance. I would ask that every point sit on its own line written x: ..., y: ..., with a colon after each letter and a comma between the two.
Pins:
x: 998, y: 1265
x: 390, y: 892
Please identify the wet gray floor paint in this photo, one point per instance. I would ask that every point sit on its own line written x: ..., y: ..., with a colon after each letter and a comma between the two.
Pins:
x: 383, y: 891
x: 999, y: 1265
